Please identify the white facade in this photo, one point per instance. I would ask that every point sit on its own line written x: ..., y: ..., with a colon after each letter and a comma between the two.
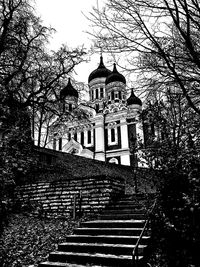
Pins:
x: 110, y: 133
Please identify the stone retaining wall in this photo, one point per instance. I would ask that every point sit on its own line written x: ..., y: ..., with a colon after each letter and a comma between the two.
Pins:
x: 86, y: 196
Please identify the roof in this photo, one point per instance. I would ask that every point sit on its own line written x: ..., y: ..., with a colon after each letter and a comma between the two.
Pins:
x: 133, y: 99
x: 68, y: 90
x: 115, y: 76
x: 101, y: 71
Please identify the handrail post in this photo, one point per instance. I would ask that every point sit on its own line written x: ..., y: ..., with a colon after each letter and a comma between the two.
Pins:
x: 74, y: 207
x: 136, y: 257
x: 80, y: 204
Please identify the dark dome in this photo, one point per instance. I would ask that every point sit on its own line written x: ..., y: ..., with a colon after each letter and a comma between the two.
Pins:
x: 101, y: 71
x: 133, y: 99
x: 68, y: 90
x: 115, y: 76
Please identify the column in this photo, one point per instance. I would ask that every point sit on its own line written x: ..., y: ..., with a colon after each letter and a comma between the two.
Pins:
x: 99, y: 138
x: 125, y: 159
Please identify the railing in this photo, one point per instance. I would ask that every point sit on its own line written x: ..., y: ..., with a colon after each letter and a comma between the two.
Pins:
x: 146, y: 225
x: 77, y: 201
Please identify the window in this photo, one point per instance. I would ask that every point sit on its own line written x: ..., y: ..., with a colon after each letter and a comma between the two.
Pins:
x: 70, y: 107
x: 60, y: 143
x: 112, y: 95
x: 92, y: 95
x: 89, y: 137
x: 112, y: 135
x: 75, y: 136
x: 54, y: 140
x: 152, y: 129
x: 116, y: 95
x: 82, y: 138
x: 120, y: 95
x: 63, y: 107
x: 101, y: 92
x: 54, y: 143
x: 69, y: 136
x: 97, y: 93
x: 113, y: 160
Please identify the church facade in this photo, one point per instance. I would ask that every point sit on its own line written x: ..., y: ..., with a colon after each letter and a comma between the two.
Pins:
x: 112, y: 126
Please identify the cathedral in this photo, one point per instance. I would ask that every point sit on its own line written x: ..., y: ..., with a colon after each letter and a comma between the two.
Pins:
x: 111, y: 126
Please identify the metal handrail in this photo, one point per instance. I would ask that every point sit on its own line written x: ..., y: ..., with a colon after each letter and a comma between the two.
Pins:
x: 135, y: 251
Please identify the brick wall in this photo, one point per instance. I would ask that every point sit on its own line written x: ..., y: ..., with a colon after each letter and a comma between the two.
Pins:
x: 57, y: 198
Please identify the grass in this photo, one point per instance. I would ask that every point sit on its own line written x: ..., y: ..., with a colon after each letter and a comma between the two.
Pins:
x: 27, y: 240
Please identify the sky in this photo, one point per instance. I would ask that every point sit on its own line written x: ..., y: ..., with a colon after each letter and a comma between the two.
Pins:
x: 66, y: 17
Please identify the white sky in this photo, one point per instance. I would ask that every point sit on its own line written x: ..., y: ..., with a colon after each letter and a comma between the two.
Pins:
x: 71, y: 26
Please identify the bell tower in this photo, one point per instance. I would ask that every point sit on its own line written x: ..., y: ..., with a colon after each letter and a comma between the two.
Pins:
x: 68, y: 97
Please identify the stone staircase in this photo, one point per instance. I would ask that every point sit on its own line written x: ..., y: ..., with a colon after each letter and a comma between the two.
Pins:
x: 107, y: 241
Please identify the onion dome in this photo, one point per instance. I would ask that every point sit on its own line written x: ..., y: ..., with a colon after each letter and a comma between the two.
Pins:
x: 68, y: 90
x: 100, y: 72
x: 115, y: 76
x: 133, y: 99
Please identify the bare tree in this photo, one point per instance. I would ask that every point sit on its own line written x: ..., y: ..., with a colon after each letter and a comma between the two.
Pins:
x: 51, y: 77
x: 160, y: 36
x: 170, y: 131
x: 30, y: 75
x: 28, y: 71
x: 30, y: 80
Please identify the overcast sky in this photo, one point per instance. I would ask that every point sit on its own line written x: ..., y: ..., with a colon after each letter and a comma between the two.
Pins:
x: 69, y: 22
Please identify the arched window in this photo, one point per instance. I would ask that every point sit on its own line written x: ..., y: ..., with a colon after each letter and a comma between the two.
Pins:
x: 75, y: 136
x: 97, y: 107
x: 60, y: 143
x: 82, y: 138
x: 70, y: 107
x: 63, y: 106
x: 89, y: 137
x: 54, y: 143
x: 113, y: 160
x: 101, y: 92
x: 112, y: 95
x: 97, y: 93
x: 112, y: 135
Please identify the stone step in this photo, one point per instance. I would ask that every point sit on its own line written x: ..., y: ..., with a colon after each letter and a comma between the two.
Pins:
x: 113, y: 223
x: 108, y: 239
x: 63, y: 264
x: 128, y: 203
x: 122, y: 216
x: 138, y: 196
x: 123, y: 211
x: 120, y: 206
x: 88, y: 258
x: 115, y: 249
x: 107, y: 231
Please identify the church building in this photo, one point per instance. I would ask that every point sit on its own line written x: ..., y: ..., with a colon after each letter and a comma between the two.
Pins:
x: 112, y: 126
